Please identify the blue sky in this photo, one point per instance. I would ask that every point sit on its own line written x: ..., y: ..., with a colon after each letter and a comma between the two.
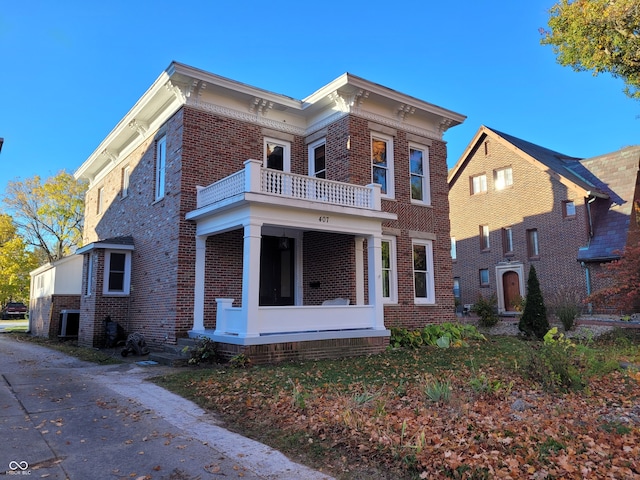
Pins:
x: 70, y: 70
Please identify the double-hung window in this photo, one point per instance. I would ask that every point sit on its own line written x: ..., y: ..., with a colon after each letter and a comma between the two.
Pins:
x: 423, y: 278
x: 502, y: 178
x: 117, y: 272
x: 478, y: 184
x: 382, y: 163
x: 317, y: 159
x: 389, y: 270
x: 161, y: 166
x: 419, y: 171
x: 277, y: 154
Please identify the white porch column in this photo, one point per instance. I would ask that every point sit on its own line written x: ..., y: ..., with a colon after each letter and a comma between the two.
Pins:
x: 374, y: 252
x: 198, y: 289
x: 359, y: 247
x: 251, y: 278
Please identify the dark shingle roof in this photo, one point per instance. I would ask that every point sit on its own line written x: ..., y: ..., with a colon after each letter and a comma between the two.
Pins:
x: 617, y: 171
x: 565, y: 165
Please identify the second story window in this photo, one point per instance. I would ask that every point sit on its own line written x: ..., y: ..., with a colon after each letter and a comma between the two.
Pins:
x: 568, y: 209
x: 161, y: 166
x: 277, y: 154
x: 100, y: 206
x: 317, y: 159
x: 382, y: 163
x: 419, y: 171
x: 484, y: 238
x: 533, y: 245
x: 454, y: 251
x: 126, y: 173
x: 502, y: 178
x: 507, y: 241
x: 478, y: 184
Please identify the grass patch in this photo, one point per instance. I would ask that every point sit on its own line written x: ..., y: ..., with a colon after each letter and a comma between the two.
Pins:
x: 371, y: 417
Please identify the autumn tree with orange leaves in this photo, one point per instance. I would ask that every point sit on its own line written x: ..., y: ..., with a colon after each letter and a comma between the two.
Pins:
x: 623, y: 293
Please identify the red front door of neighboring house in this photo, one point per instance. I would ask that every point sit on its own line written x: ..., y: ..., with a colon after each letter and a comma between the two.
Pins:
x: 511, y: 289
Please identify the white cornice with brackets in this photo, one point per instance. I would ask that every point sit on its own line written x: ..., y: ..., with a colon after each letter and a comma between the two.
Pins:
x: 183, y: 85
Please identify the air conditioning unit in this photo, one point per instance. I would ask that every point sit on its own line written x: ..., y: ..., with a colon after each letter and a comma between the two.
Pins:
x: 69, y: 323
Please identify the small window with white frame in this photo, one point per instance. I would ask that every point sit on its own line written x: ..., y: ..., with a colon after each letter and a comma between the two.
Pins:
x: 161, y: 167
x: 568, y: 209
x: 100, y: 201
x: 478, y: 184
x: 389, y: 270
x: 419, y: 172
x: 277, y: 154
x: 382, y: 163
x: 126, y: 174
x: 502, y: 178
x: 424, y: 287
x: 317, y: 159
x: 117, y: 272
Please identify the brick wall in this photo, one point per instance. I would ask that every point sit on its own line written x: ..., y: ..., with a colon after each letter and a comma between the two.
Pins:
x: 533, y: 202
x: 202, y: 148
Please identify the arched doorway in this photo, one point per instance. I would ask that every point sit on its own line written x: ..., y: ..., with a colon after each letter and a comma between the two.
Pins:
x: 511, y: 290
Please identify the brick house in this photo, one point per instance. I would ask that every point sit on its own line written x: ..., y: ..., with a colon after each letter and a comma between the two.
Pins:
x: 275, y: 226
x: 515, y: 204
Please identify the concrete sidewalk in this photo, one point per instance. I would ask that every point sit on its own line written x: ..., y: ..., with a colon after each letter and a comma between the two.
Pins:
x: 62, y: 418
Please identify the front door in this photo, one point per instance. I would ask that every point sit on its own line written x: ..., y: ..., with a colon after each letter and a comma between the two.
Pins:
x: 511, y: 289
x: 277, y: 271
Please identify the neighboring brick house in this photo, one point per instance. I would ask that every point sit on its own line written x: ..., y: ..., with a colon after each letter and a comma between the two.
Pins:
x: 216, y: 208
x: 515, y: 204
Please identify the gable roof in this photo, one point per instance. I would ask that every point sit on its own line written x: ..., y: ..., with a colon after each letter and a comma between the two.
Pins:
x: 610, y: 181
x: 567, y: 169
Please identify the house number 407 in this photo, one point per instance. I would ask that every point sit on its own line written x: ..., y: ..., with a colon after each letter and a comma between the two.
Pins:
x: 323, y: 219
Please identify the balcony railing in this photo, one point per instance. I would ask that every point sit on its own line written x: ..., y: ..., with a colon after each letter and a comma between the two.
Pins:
x: 257, y: 179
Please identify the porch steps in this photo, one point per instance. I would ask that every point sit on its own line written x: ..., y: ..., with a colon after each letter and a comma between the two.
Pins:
x: 174, y: 355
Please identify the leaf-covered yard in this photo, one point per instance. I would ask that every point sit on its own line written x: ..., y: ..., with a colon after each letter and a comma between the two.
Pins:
x: 470, y: 412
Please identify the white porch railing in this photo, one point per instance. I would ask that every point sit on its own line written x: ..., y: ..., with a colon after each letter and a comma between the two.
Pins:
x: 293, y: 319
x: 257, y: 179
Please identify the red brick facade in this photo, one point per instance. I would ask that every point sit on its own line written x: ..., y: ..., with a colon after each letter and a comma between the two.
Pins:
x: 535, y: 201
x: 203, y: 147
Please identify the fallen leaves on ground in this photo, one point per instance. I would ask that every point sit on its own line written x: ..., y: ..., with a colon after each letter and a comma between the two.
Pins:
x: 394, y: 425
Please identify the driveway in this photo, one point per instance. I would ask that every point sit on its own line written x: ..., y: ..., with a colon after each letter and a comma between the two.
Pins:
x: 62, y: 418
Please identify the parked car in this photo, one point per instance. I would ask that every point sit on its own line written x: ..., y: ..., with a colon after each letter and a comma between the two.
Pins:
x: 14, y: 310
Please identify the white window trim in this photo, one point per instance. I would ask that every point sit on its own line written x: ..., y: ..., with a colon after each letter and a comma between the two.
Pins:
x: 426, y: 174
x: 393, y: 270
x: 89, y: 289
x: 311, y: 151
x: 100, y: 200
x: 500, y: 178
x: 161, y: 167
x: 430, y: 299
x: 126, y: 180
x: 286, y: 161
x: 390, y: 169
x: 482, y: 184
x: 126, y: 286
